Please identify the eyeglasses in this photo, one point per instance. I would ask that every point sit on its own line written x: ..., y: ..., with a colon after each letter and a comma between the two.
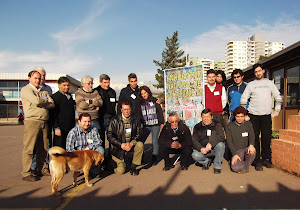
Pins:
x: 172, y: 122
x: 236, y: 77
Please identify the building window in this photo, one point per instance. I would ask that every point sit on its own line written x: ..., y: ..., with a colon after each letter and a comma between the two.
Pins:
x: 293, y: 86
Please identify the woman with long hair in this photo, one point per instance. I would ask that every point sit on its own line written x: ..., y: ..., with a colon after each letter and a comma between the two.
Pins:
x: 151, y: 116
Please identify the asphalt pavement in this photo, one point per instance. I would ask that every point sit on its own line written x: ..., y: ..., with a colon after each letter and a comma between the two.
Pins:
x: 152, y: 189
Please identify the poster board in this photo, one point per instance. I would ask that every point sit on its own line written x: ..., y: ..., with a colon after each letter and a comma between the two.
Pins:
x: 184, y: 93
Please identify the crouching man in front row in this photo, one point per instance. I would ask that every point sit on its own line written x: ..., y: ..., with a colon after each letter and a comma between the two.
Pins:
x: 240, y: 138
x: 208, y: 141
x: 123, y: 133
x: 175, y: 138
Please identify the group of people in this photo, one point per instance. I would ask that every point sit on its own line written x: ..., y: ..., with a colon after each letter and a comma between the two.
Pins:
x: 127, y: 124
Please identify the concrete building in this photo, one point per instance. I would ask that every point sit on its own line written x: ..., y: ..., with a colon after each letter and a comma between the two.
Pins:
x: 241, y: 54
x: 10, y: 90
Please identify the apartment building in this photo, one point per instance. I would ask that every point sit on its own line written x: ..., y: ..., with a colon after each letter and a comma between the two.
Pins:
x: 241, y: 54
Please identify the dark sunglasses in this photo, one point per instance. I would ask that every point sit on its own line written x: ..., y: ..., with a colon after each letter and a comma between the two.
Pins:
x: 236, y: 77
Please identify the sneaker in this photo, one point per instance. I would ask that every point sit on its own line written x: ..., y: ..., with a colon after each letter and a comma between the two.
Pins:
x: 217, y: 171
x: 267, y: 163
x: 258, y: 166
x: 30, y: 178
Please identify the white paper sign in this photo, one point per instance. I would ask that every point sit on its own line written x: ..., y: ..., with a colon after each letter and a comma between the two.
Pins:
x: 216, y: 93
x: 244, y: 134
x: 112, y: 100
x: 208, y: 133
x: 133, y: 96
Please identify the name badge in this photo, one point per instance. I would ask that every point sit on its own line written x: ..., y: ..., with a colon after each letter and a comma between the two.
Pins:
x: 128, y: 130
x: 151, y: 103
x: 208, y: 132
x: 133, y: 96
x: 244, y: 134
x: 216, y: 93
x: 112, y: 100
x: 90, y: 141
x: 175, y: 138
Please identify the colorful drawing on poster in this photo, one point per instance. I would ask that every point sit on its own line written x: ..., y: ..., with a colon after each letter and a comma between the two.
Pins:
x: 184, y: 88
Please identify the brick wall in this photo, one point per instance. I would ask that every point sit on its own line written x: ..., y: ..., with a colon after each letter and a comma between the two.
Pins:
x: 286, y: 149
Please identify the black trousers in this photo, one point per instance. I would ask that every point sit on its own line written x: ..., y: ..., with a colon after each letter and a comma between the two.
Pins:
x: 185, y: 152
x: 262, y: 124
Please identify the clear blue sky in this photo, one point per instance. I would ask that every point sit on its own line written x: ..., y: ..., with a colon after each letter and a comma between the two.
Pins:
x: 116, y: 37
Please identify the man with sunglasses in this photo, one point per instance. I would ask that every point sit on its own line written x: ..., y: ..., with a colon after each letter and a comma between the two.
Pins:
x: 235, y: 91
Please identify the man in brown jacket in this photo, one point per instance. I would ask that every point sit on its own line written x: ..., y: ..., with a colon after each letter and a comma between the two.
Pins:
x: 36, y: 104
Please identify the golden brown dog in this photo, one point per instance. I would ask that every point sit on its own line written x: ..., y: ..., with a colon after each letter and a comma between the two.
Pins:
x: 75, y: 161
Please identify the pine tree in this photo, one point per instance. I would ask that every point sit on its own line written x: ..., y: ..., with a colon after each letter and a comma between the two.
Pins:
x: 171, y: 58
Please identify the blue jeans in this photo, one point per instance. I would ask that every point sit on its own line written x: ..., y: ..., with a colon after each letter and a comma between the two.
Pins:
x: 33, y: 164
x: 95, y: 169
x: 155, y: 132
x: 217, y: 152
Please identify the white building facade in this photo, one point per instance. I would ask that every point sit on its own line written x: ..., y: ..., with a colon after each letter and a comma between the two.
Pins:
x: 241, y: 54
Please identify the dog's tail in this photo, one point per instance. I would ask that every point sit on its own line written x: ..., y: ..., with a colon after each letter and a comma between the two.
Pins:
x: 56, y: 151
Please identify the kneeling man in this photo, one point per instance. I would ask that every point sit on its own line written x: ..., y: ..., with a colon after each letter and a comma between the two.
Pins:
x: 175, y: 138
x: 123, y: 134
x: 241, y: 138
x: 85, y: 137
x: 208, y: 141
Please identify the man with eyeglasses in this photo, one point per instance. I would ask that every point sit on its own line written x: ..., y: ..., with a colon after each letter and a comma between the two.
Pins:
x: 261, y: 93
x: 123, y: 134
x: 235, y: 91
x: 175, y: 138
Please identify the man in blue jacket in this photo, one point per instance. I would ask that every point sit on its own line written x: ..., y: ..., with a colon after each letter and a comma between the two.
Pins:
x: 235, y: 91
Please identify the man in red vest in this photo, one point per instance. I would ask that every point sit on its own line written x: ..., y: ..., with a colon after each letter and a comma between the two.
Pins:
x: 215, y: 96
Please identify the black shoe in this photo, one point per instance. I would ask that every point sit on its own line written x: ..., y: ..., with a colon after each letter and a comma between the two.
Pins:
x: 155, y: 160
x: 30, y: 178
x: 167, y: 168
x: 184, y: 168
x: 258, y: 166
x: 205, y: 167
x: 198, y: 164
x: 33, y: 172
x: 217, y: 171
x: 45, y: 172
x: 267, y: 163
x: 133, y: 170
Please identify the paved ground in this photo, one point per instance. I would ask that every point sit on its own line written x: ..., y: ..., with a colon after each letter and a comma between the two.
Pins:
x: 152, y: 189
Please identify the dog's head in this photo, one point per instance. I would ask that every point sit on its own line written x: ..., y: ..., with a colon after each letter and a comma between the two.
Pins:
x: 98, y: 158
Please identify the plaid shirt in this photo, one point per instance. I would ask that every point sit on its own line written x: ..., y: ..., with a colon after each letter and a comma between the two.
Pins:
x: 78, y: 140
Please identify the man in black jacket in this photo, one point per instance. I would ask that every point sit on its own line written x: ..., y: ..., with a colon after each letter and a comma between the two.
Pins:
x: 175, y: 138
x: 130, y: 93
x: 63, y: 113
x: 108, y: 110
x: 123, y: 133
x: 208, y: 140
